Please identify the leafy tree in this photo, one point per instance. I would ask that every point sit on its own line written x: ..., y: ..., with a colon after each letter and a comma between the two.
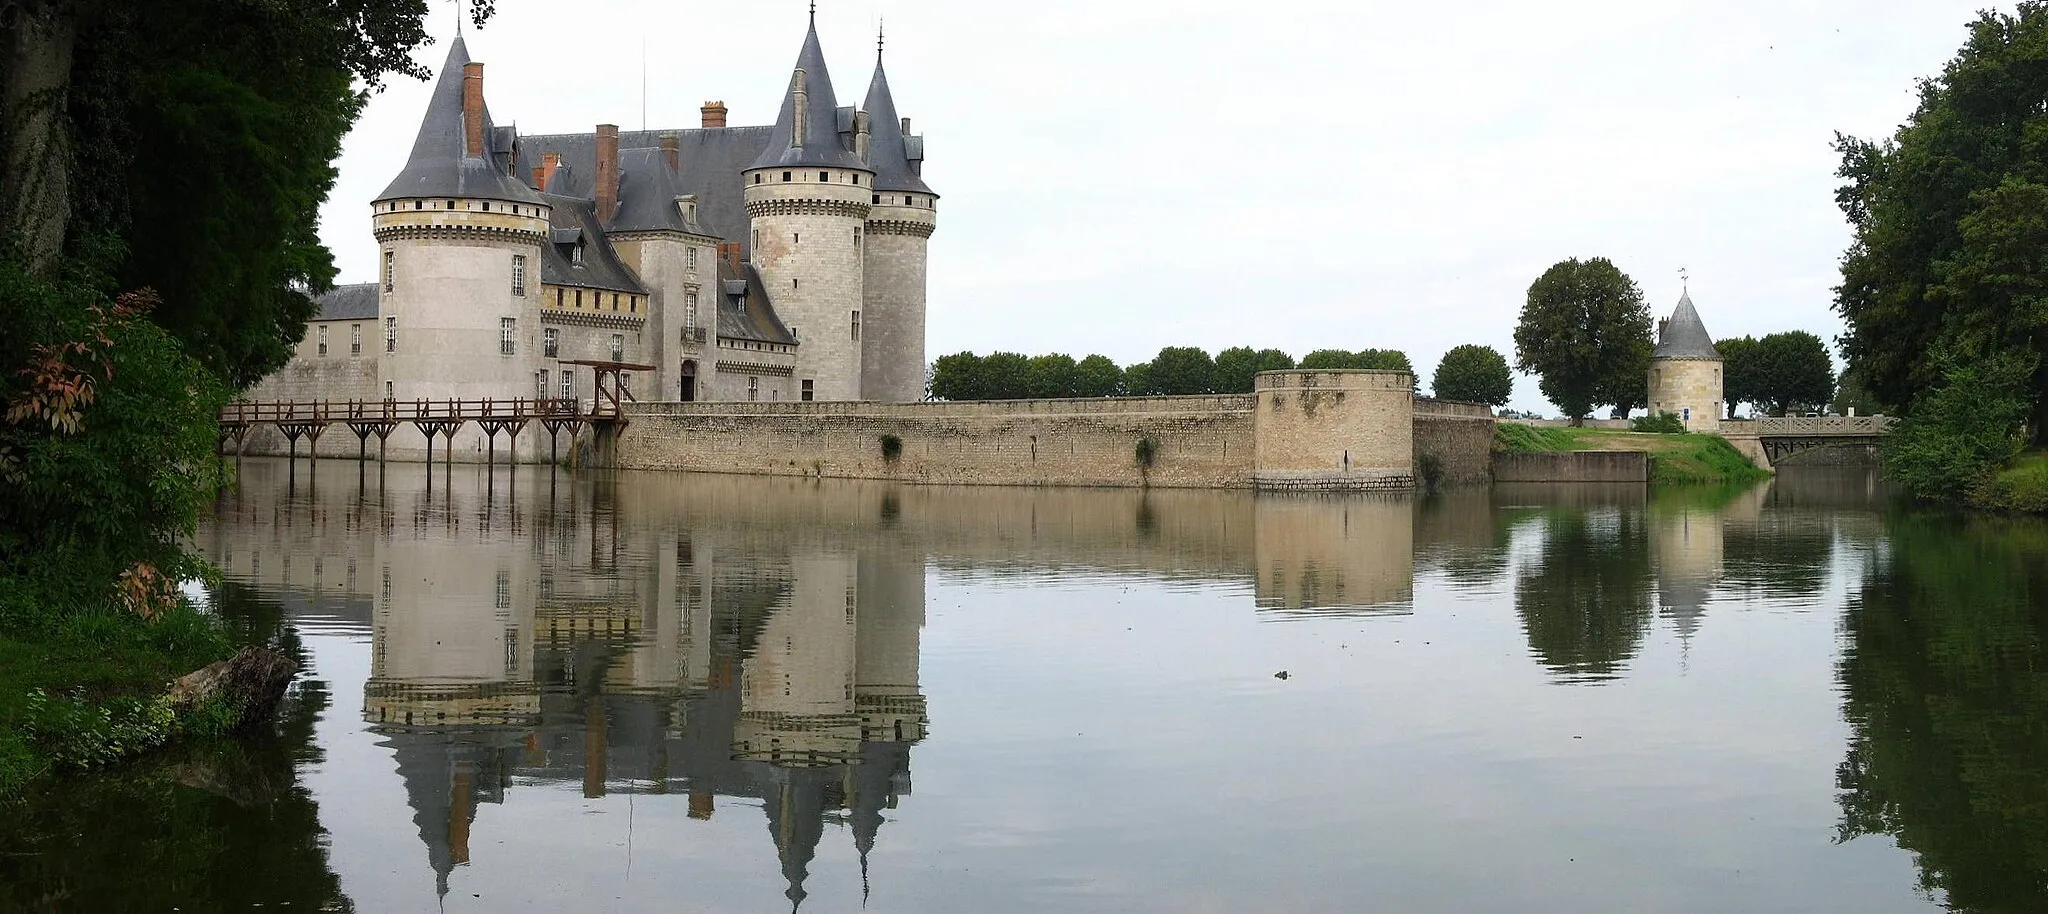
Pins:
x: 1053, y: 376
x: 1235, y: 368
x: 1851, y: 396
x: 958, y: 377
x: 1582, y: 329
x: 1473, y: 374
x: 1097, y: 376
x: 1741, y: 372
x: 1181, y: 370
x: 1138, y: 380
x: 1006, y: 376
x: 1326, y: 359
x: 1965, y: 428
x: 1371, y: 359
x: 1627, y: 386
x: 1948, y: 219
x: 1794, y: 371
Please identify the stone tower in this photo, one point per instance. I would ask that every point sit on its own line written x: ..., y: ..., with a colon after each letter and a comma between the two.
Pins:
x: 904, y: 214
x: 808, y: 197
x: 1685, y: 370
x: 459, y: 259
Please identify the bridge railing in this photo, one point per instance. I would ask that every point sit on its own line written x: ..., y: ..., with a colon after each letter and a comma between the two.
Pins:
x: 418, y: 410
x: 1774, y: 426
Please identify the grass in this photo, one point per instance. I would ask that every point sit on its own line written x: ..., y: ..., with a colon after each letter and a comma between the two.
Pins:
x: 1675, y: 459
x: 2020, y: 488
x: 84, y: 686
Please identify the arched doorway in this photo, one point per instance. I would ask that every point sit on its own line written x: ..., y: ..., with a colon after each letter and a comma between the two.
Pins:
x: 689, y: 375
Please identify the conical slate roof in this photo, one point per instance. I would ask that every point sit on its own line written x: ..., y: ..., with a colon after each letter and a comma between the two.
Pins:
x: 820, y: 140
x: 888, y: 154
x: 1683, y: 336
x: 440, y: 165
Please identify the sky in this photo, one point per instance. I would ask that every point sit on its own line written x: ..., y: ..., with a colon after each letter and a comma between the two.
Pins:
x: 1300, y: 174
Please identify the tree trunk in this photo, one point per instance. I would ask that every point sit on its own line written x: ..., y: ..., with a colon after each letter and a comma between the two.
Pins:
x: 35, y: 152
x: 253, y: 683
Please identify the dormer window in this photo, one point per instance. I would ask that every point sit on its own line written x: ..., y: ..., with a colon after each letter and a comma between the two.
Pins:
x: 576, y: 255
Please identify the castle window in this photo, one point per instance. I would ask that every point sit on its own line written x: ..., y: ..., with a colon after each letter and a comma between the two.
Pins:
x: 390, y: 270
x: 796, y: 238
x: 355, y: 339
x: 550, y: 342
x: 558, y: 296
x: 753, y: 388
x: 757, y: 177
x: 451, y: 204
x: 793, y: 282
x: 504, y: 600
x: 323, y: 339
x: 419, y: 204
x: 391, y: 334
x: 691, y: 256
x: 856, y: 326
x: 519, y: 275
x: 579, y: 298
x: 540, y: 384
x: 576, y: 254
x: 785, y: 177
x: 807, y: 390
x: 856, y: 177
x: 856, y: 241
x: 388, y: 394
x: 487, y: 206
x: 878, y: 198
x: 689, y: 315
x: 568, y: 384
x: 615, y: 301
x: 824, y: 177
x: 507, y: 328
x: 618, y: 347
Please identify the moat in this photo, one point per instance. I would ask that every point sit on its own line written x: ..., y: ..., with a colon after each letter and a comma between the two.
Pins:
x: 638, y: 692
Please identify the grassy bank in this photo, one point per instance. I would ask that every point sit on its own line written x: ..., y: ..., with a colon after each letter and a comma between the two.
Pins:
x: 2020, y: 488
x: 85, y: 686
x: 1675, y: 459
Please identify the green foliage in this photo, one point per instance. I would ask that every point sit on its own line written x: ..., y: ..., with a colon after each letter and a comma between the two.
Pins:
x: 1585, y: 604
x: 1674, y: 459
x: 1965, y: 428
x: 1006, y: 376
x: 1951, y: 217
x: 1792, y: 373
x: 1147, y: 451
x: 1052, y: 377
x: 2021, y: 488
x: 1370, y: 359
x: 1663, y: 423
x: 1585, y: 332
x: 892, y: 448
x: 958, y: 377
x: 1473, y: 374
x: 1851, y: 396
x: 1237, y: 367
x: 1703, y: 460
x: 1430, y: 469
x: 1741, y: 372
x: 1181, y: 371
x: 1515, y: 438
x: 1097, y: 376
x: 1138, y: 380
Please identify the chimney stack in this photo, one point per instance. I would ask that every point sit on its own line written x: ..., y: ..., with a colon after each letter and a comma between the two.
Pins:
x: 473, y: 109
x: 906, y: 127
x: 714, y: 114
x: 860, y: 135
x: 671, y: 151
x: 549, y: 161
x: 540, y: 177
x: 607, y: 172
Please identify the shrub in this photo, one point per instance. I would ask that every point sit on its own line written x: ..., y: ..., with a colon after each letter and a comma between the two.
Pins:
x: 1964, y: 429
x: 1664, y: 423
x: 1430, y: 469
x: 892, y: 448
x: 1147, y: 451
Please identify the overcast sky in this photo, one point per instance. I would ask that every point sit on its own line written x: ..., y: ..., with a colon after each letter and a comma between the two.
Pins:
x: 1122, y: 175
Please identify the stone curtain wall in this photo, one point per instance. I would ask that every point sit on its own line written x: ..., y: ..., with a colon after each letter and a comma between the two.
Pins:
x: 1573, y: 466
x: 310, y: 376
x: 1459, y: 436
x: 1199, y: 442
x: 1334, y: 430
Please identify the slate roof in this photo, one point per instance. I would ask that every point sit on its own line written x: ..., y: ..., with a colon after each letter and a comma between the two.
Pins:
x: 573, y: 221
x: 889, y: 153
x: 357, y: 302
x: 440, y: 165
x: 822, y: 144
x: 1683, y: 336
x: 648, y: 189
x: 712, y: 160
x: 744, y: 312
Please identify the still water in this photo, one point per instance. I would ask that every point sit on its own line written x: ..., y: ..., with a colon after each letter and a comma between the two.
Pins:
x: 667, y: 693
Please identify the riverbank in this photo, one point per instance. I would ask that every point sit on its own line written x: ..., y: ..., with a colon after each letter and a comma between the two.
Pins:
x: 87, y: 686
x: 2020, y: 488
x: 1681, y: 459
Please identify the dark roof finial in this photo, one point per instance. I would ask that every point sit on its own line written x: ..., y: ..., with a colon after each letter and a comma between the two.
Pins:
x: 881, y: 30
x: 814, y: 12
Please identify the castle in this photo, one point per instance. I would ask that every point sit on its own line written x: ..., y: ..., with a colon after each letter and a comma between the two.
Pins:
x: 772, y: 263
x: 1685, y: 370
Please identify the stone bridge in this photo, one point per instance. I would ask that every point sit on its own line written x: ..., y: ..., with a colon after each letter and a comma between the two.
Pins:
x: 1771, y: 440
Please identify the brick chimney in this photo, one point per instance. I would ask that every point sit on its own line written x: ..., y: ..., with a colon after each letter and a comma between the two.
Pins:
x: 607, y: 172
x: 671, y: 151
x: 714, y: 114
x: 549, y: 161
x: 540, y: 177
x: 473, y: 109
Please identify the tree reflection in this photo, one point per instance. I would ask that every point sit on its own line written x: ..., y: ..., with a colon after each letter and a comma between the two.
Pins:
x: 1585, y: 604
x: 1945, y: 680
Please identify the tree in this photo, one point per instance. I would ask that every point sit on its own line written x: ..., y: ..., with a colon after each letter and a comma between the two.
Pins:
x: 1741, y: 372
x: 1182, y: 370
x: 1052, y: 377
x: 1370, y: 359
x: 1326, y: 359
x: 1582, y: 329
x: 1097, y: 376
x: 1962, y: 430
x: 1473, y: 374
x: 1794, y: 372
x: 1138, y: 380
x: 1006, y: 376
x: 1627, y: 386
x: 1951, y: 220
x: 958, y: 377
x: 1853, y: 398
x: 1238, y: 366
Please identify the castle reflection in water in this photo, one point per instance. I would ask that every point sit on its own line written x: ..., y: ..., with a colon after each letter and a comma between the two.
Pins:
x: 758, y: 639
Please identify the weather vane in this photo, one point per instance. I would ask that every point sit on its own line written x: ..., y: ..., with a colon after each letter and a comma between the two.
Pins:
x: 1684, y: 278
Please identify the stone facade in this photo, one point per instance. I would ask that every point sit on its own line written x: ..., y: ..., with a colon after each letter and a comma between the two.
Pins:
x: 892, y: 341
x: 809, y: 243
x: 1335, y: 430
x: 1689, y: 387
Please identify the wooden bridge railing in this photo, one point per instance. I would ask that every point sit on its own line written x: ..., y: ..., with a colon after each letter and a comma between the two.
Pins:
x: 421, y: 410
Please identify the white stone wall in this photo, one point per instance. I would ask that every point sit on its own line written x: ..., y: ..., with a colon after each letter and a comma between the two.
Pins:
x: 664, y: 264
x: 808, y: 238
x: 742, y: 371
x: 893, y: 321
x: 1691, y: 388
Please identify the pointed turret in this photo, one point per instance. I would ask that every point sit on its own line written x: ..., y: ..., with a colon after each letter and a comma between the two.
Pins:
x: 889, y: 149
x: 452, y: 156
x: 1685, y: 370
x: 1683, y: 335
x: 807, y: 130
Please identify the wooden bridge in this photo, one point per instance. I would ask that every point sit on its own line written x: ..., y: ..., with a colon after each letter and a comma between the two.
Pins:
x: 1782, y: 437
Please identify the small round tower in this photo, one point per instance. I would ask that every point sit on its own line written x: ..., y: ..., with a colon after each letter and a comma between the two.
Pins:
x: 459, y: 256
x: 1685, y: 370
x: 808, y: 196
x: 904, y: 215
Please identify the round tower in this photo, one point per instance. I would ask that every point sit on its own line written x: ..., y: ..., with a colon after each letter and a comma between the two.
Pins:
x: 459, y: 259
x: 808, y: 196
x: 1685, y: 370
x: 903, y: 216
